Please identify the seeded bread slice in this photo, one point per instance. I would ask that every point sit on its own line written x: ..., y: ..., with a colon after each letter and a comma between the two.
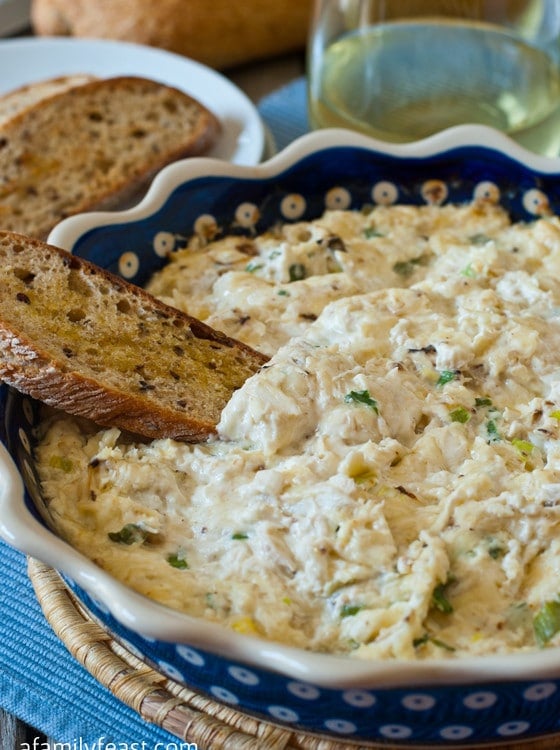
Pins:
x: 17, y: 100
x: 93, y: 146
x: 83, y: 340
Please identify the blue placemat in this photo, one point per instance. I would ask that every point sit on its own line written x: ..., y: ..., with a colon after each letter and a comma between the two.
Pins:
x: 40, y: 682
x: 285, y: 113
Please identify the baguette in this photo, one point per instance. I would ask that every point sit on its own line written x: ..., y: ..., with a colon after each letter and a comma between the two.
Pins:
x: 220, y: 33
x: 85, y: 341
x: 17, y: 100
x: 93, y: 146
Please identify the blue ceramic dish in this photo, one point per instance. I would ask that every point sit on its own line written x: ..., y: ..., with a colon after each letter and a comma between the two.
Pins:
x: 440, y: 703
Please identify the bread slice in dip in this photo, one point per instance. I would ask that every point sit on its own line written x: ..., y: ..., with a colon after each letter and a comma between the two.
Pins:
x: 81, y: 339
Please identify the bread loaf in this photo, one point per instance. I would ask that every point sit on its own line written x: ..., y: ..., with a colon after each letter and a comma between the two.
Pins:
x: 93, y: 146
x: 81, y: 339
x: 220, y: 33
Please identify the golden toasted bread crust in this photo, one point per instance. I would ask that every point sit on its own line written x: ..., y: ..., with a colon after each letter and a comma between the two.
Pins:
x: 84, y: 340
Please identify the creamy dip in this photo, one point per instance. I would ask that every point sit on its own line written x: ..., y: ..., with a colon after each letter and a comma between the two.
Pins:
x: 389, y: 486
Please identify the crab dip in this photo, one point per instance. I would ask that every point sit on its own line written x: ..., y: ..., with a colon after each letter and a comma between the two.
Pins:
x: 389, y: 485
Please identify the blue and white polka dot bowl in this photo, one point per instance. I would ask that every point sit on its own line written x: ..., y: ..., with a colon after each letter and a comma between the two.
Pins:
x: 443, y: 703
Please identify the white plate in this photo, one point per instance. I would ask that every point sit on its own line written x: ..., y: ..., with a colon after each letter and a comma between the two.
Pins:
x: 24, y: 60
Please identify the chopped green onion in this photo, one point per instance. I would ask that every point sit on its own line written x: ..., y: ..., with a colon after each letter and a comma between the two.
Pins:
x: 362, y: 397
x: 177, y: 560
x: 349, y: 610
x: 446, y: 376
x: 297, y: 272
x: 492, y: 430
x: 442, y: 644
x: 239, y: 535
x: 62, y: 463
x: 440, y: 601
x: 406, y: 268
x: 523, y: 446
x: 283, y: 293
x: 495, y: 552
x: 252, y: 267
x: 460, y: 415
x: 427, y: 638
x: 131, y: 533
x: 370, y: 232
x: 479, y: 239
x: 483, y: 402
x: 555, y: 414
x: 546, y: 622
x: 403, y: 268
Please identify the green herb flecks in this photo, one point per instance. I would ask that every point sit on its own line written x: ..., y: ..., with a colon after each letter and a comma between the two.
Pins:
x: 297, y: 272
x: 178, y: 560
x: 349, y: 610
x: 130, y: 534
x: 483, y: 401
x: 239, y: 535
x: 479, y: 239
x: 460, y: 415
x: 406, y: 268
x: 371, y: 232
x: 440, y: 600
x: 546, y: 622
x: 252, y: 267
x: 362, y: 397
x: 496, y: 551
x: 427, y: 638
x: 62, y: 463
x: 492, y: 432
x: 523, y: 446
x: 446, y: 376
